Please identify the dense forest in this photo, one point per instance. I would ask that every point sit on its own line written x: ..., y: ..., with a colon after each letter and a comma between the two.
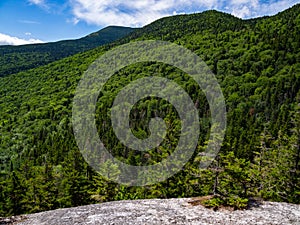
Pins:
x: 257, y: 63
x: 14, y: 59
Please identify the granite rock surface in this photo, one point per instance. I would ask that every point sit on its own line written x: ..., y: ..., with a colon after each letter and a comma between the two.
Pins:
x: 162, y: 211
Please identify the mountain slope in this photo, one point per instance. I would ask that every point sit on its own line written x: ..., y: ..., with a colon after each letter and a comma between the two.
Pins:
x: 14, y: 59
x: 257, y: 65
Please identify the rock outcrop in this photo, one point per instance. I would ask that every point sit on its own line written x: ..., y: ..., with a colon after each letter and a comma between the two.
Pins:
x: 162, y: 211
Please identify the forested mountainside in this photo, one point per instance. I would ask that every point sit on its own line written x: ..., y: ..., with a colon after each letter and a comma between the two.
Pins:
x: 257, y: 63
x: 15, y: 59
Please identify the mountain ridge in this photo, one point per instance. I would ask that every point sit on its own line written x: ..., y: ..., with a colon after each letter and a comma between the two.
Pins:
x: 15, y: 59
x: 257, y: 66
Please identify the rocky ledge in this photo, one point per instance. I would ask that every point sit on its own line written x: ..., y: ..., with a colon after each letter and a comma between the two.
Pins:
x: 162, y: 211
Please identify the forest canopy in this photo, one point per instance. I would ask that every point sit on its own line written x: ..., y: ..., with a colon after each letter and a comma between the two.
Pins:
x: 257, y: 64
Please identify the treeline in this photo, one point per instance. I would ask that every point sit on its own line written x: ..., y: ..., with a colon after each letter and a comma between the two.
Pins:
x: 257, y: 65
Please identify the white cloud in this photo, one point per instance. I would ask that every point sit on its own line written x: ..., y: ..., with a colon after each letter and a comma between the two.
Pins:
x: 243, y: 12
x: 28, y: 22
x: 37, y: 2
x: 132, y: 12
x: 252, y: 3
x: 73, y: 20
x: 141, y: 12
x: 275, y: 7
x: 256, y: 8
x: 9, y: 40
x: 41, y: 3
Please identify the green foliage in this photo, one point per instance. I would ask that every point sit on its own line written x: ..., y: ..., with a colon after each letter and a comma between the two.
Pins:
x: 214, y: 202
x: 257, y: 66
x: 235, y: 202
x: 15, y: 59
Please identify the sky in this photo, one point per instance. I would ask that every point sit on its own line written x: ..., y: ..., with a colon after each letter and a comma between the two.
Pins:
x: 38, y: 21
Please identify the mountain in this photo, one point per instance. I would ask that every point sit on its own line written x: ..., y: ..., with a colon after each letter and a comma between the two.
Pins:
x: 256, y: 63
x: 14, y: 59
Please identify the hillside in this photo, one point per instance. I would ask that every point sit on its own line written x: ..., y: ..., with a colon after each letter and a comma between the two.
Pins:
x: 15, y: 59
x: 257, y: 65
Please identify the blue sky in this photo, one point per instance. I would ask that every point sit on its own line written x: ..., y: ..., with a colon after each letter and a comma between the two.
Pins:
x: 33, y: 21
